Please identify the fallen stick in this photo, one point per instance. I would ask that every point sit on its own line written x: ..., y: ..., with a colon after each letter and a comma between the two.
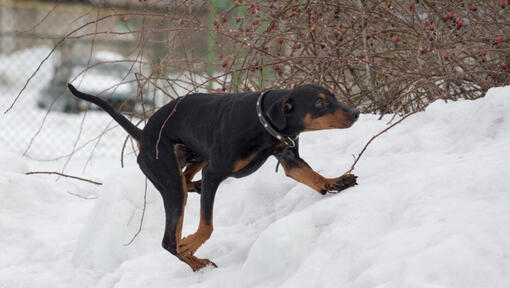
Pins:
x: 64, y: 175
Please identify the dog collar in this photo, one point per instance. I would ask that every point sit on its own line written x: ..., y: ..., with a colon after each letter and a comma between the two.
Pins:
x: 290, y: 142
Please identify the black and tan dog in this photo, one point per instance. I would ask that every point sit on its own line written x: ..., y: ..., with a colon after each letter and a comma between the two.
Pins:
x: 227, y: 135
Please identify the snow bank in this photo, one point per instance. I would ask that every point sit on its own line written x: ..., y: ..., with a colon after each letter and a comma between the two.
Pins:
x: 39, y: 224
x: 431, y: 210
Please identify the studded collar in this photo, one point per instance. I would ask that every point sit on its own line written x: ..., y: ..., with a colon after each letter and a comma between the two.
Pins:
x: 290, y: 142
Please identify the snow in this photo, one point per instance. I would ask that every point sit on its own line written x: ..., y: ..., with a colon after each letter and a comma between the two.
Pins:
x: 58, y: 136
x: 431, y: 210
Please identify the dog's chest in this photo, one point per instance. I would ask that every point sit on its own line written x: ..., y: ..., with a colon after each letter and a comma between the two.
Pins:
x: 250, y: 164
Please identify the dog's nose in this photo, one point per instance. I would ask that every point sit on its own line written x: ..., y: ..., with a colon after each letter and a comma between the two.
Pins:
x: 354, y: 115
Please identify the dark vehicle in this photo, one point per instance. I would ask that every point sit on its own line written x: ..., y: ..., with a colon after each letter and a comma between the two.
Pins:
x: 113, y: 82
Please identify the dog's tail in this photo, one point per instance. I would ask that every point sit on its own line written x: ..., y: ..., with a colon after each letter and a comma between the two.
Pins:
x: 134, y: 131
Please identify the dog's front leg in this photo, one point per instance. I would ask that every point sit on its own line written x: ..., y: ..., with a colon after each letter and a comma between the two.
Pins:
x: 299, y: 170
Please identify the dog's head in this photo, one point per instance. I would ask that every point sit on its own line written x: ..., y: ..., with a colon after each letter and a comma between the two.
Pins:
x: 309, y: 108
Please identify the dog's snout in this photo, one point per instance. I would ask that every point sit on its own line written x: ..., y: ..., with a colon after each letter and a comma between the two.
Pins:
x: 354, y: 114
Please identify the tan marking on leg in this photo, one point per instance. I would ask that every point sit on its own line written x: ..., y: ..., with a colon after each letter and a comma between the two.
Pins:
x: 181, y: 155
x: 240, y: 164
x: 322, y: 96
x: 194, y: 185
x: 192, y: 169
x: 190, y: 172
x: 304, y: 174
x: 197, y: 263
x: 178, y: 233
x: 187, y: 246
x: 191, y: 243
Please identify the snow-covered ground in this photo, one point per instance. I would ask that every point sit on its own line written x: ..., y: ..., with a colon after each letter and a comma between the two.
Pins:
x: 432, y: 209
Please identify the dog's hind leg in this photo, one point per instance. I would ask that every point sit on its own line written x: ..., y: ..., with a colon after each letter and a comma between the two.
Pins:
x: 165, y: 173
x: 210, y: 183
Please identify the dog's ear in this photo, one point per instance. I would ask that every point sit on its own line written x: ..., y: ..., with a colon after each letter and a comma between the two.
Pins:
x: 277, y: 112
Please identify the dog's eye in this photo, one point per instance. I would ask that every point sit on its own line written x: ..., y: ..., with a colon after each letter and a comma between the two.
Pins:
x: 287, y: 107
x: 321, y: 103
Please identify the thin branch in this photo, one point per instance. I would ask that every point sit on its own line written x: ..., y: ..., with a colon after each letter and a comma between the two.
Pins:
x: 379, y: 134
x: 63, y: 175
x: 141, y: 218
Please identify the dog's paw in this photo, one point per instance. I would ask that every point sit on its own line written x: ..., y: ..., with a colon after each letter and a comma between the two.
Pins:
x: 343, y: 182
x: 197, y: 263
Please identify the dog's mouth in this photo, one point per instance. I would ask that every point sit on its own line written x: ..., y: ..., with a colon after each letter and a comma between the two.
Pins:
x: 338, y: 120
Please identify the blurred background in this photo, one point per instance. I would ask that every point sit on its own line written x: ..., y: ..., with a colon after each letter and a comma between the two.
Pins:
x: 380, y: 56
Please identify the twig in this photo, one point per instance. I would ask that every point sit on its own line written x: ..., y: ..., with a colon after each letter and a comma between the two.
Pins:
x: 379, y: 134
x: 143, y: 215
x: 164, y: 124
x: 63, y: 175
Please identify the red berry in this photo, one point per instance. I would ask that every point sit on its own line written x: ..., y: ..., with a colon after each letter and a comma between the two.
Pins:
x: 411, y: 4
x: 498, y: 45
x: 297, y: 45
x: 459, y: 23
x: 443, y: 55
x: 256, y: 22
x: 502, y: 4
x: 312, y: 28
x: 280, y: 41
x: 251, y: 68
x: 432, y: 27
x: 504, y: 65
x: 498, y: 39
x: 278, y: 69
x: 238, y: 19
x: 339, y: 25
x: 448, y: 16
x: 225, y: 63
x: 473, y: 7
x: 397, y: 39
x: 494, y: 75
x: 369, y: 34
x: 271, y: 5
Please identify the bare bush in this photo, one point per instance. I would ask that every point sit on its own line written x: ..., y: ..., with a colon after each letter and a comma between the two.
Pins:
x: 380, y: 56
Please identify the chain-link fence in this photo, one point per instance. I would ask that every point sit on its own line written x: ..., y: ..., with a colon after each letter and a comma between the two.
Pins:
x: 29, y: 33
x: 382, y: 57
